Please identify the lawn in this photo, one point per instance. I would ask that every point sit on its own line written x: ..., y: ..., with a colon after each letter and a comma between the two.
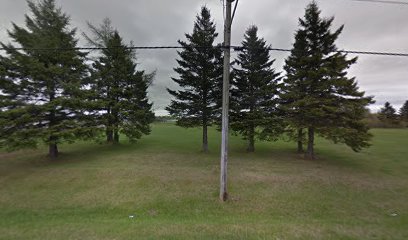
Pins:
x: 171, y: 190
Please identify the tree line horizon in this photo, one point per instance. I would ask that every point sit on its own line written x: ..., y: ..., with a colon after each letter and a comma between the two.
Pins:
x: 54, y: 97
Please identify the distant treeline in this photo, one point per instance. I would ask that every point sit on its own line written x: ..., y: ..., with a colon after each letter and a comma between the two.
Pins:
x: 388, y: 117
x: 163, y: 119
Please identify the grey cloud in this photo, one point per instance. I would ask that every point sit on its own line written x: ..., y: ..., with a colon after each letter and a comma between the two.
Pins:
x: 368, y: 26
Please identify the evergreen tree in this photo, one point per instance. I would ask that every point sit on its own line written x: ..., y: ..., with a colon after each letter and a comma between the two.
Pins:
x: 254, y: 94
x: 318, y: 95
x: 8, y: 93
x: 388, y: 114
x: 403, y: 112
x: 294, y: 89
x: 200, y: 77
x: 101, y: 35
x: 120, y: 91
x: 43, y: 87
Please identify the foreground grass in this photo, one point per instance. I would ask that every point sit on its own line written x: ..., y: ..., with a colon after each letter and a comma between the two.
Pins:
x: 171, y: 189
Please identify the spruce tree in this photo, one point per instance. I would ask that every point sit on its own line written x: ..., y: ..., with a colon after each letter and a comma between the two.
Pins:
x: 403, y: 112
x: 43, y: 86
x: 200, y: 76
x: 120, y: 91
x: 318, y: 95
x: 254, y: 99
x: 388, y: 114
x: 294, y: 90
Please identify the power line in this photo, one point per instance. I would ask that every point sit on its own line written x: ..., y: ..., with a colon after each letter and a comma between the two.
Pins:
x: 235, y: 48
x: 375, y: 53
x: 352, y: 52
x: 93, y: 48
x: 383, y: 1
x: 235, y: 9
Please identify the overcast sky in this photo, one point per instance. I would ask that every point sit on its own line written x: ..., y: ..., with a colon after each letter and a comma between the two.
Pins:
x: 368, y: 27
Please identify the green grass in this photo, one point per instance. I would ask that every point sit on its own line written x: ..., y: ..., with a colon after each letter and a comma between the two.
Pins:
x: 172, y: 190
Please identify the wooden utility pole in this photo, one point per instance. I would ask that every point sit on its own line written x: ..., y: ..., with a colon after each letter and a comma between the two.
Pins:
x: 225, y: 101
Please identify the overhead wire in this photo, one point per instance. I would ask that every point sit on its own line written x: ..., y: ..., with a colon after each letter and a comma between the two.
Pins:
x: 235, y: 9
x: 383, y: 1
x: 235, y: 48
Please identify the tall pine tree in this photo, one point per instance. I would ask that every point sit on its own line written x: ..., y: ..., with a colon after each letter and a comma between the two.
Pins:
x: 294, y: 89
x: 318, y: 95
x: 44, y: 85
x: 200, y: 76
x: 254, y: 100
x: 388, y: 114
x: 120, y: 91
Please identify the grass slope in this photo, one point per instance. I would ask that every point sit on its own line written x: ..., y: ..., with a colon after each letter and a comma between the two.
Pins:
x: 171, y: 188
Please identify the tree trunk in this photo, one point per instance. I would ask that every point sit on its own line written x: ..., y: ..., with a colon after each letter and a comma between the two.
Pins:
x: 251, y: 140
x: 310, y: 144
x: 205, y: 138
x: 115, y: 126
x: 52, y: 144
x: 300, y: 141
x: 109, y: 135
x: 52, y: 148
x: 116, y: 136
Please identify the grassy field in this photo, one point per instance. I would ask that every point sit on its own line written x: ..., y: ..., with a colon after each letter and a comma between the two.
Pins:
x: 171, y: 189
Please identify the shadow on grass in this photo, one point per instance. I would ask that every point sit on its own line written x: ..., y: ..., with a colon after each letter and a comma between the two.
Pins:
x: 172, y: 140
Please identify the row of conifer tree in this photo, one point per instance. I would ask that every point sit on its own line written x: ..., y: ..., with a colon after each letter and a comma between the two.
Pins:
x: 314, y: 96
x: 390, y: 117
x: 67, y: 94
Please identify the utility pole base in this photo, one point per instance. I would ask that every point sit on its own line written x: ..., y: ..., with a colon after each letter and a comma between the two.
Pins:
x: 224, y: 197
